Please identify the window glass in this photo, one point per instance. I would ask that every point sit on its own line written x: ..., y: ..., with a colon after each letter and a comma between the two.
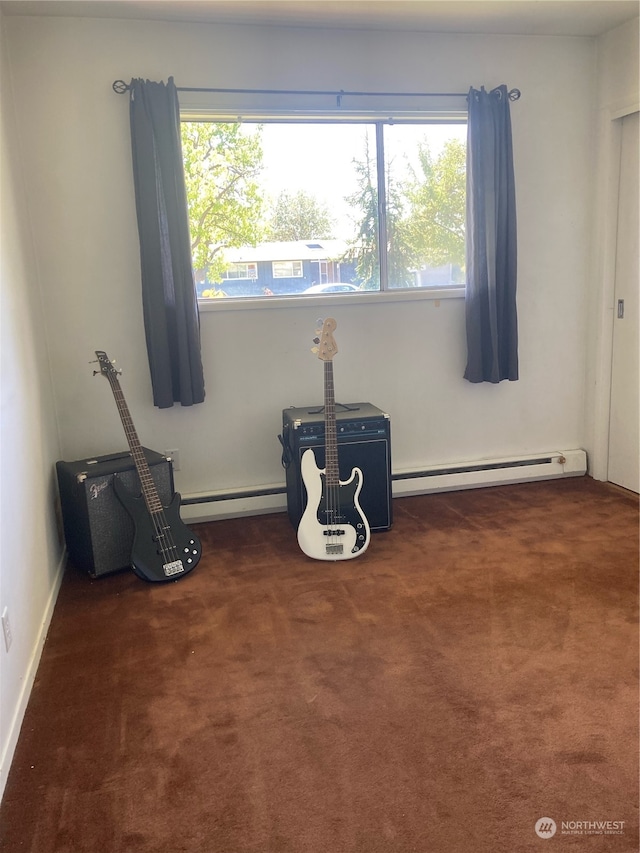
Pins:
x: 283, y: 208
x: 286, y: 269
x: 425, y: 202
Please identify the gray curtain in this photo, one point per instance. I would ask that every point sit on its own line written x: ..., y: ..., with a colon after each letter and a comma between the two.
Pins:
x: 491, y: 317
x: 171, y: 319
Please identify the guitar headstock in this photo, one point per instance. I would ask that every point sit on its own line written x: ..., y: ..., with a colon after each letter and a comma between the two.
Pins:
x: 106, y: 367
x: 326, y: 345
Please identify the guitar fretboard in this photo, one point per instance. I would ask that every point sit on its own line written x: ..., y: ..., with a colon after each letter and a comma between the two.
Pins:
x: 330, y: 436
x: 149, y: 491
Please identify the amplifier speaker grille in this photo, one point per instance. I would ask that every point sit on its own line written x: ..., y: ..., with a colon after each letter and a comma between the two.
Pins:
x: 364, y: 441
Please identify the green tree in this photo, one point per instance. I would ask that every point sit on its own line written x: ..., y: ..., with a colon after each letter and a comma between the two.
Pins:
x: 299, y: 216
x: 364, y: 247
x: 437, y: 198
x: 401, y: 258
x: 221, y: 165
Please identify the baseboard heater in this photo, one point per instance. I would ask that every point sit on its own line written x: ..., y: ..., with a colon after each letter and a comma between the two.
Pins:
x: 490, y: 472
x: 236, y: 503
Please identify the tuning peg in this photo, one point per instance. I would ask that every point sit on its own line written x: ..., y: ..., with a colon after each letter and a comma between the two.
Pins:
x: 315, y: 350
x: 316, y: 340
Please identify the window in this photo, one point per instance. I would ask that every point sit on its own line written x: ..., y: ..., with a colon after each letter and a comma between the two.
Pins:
x: 372, y: 205
x: 287, y: 269
x: 240, y: 271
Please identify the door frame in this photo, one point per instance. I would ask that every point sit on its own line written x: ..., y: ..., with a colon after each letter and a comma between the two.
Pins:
x: 610, y: 145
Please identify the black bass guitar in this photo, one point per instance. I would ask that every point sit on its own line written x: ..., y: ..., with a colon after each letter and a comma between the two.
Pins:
x: 164, y: 549
x: 333, y: 525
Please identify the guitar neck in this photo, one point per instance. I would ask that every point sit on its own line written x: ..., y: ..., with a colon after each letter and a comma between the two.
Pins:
x: 330, y: 435
x: 149, y: 490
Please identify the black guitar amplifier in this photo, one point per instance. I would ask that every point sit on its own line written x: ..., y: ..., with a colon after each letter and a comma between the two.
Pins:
x: 364, y: 441
x: 98, y: 530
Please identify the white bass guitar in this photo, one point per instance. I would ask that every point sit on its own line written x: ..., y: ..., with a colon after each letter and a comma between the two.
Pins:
x: 333, y: 526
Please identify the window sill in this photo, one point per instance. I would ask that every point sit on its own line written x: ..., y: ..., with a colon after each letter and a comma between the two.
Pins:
x: 264, y: 302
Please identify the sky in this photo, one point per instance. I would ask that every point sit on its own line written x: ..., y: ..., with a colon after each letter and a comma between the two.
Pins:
x: 318, y: 158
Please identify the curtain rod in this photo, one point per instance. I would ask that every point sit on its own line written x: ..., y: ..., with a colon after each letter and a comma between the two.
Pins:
x: 120, y: 87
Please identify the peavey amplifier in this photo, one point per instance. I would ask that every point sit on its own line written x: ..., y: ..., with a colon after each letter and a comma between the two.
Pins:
x: 364, y: 441
x: 97, y: 528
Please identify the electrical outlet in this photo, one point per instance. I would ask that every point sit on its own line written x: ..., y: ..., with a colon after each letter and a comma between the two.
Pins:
x: 175, y: 458
x: 6, y: 629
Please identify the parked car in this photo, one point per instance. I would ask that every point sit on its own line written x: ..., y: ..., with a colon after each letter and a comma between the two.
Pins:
x: 333, y: 287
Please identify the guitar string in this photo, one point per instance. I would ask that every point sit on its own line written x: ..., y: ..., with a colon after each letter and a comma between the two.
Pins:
x: 162, y: 528
x: 327, y: 463
x: 158, y: 518
x: 331, y: 462
x: 166, y: 546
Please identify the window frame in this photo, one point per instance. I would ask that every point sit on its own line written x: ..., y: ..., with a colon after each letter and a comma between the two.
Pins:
x: 378, y: 118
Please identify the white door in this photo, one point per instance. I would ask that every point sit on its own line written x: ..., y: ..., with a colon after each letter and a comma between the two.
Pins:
x: 624, y: 418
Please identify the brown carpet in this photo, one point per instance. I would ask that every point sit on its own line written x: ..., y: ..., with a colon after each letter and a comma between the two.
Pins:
x: 474, y: 671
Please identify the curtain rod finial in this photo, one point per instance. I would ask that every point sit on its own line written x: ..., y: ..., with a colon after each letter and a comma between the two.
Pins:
x: 120, y: 87
x: 514, y: 95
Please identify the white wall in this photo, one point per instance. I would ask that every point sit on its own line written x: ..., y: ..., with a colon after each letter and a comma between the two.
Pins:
x: 406, y: 357
x: 31, y: 565
x: 70, y: 278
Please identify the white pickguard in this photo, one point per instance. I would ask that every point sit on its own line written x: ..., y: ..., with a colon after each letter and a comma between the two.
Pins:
x: 312, y: 537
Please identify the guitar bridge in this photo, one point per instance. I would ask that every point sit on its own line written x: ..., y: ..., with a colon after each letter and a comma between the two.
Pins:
x: 174, y: 568
x: 334, y: 549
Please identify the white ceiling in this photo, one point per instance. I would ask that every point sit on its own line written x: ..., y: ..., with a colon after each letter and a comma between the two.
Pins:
x: 516, y: 17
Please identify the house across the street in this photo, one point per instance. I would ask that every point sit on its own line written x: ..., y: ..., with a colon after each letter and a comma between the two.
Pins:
x: 283, y: 268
